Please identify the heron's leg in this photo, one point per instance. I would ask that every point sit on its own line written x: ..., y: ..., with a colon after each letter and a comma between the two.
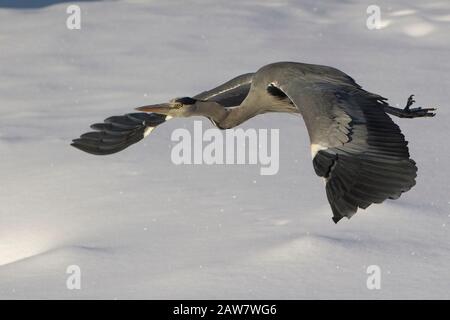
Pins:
x: 408, y: 112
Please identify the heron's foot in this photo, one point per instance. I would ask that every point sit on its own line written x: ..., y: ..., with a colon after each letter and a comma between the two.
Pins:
x: 408, y: 112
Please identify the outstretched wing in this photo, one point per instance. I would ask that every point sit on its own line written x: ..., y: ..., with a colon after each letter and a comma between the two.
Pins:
x: 231, y: 93
x: 355, y: 145
x: 118, y: 133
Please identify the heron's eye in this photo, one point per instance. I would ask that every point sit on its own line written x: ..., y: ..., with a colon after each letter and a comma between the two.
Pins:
x: 178, y: 105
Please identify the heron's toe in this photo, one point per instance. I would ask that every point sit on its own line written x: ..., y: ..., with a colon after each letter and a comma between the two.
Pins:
x: 410, y: 102
x: 422, y: 112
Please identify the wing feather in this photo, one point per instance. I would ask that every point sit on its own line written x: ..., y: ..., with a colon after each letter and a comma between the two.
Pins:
x: 363, y: 156
x: 117, y: 133
x: 231, y: 93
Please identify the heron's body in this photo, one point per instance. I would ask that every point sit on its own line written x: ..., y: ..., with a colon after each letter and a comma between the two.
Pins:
x: 355, y: 146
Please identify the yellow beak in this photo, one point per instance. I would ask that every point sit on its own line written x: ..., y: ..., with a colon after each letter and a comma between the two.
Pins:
x: 162, y: 108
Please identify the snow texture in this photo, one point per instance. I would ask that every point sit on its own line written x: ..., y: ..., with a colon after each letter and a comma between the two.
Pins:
x: 141, y: 227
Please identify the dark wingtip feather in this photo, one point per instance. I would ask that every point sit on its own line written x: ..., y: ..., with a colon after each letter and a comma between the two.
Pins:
x: 116, y: 133
x: 352, y: 183
x: 336, y: 219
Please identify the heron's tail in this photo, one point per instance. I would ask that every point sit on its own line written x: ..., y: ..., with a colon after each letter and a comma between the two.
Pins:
x: 117, y: 133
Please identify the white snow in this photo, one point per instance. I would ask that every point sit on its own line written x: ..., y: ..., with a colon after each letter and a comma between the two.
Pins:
x: 141, y: 227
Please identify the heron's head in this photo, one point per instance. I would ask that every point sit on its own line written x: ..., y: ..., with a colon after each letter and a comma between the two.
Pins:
x: 178, y: 107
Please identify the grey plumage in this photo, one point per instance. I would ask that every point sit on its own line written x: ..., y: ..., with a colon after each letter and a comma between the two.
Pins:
x: 356, y: 147
x: 231, y: 93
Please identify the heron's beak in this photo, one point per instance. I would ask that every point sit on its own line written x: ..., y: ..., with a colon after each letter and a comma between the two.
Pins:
x: 162, y: 108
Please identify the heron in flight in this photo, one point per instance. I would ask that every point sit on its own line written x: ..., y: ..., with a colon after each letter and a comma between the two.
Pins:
x: 355, y: 146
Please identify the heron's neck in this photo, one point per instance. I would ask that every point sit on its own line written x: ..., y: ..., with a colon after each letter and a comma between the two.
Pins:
x: 226, y: 118
x: 223, y: 118
x: 211, y: 110
x: 235, y: 117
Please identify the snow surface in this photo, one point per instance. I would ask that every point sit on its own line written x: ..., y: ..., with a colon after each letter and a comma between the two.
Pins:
x: 139, y: 226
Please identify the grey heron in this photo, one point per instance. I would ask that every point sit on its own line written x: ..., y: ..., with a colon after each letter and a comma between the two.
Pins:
x: 355, y: 146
